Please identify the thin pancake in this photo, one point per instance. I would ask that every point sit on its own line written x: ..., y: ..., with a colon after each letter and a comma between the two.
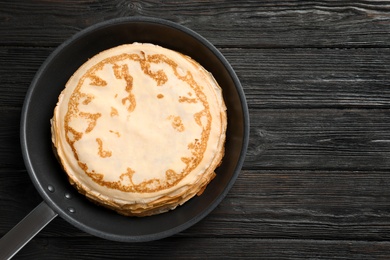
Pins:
x: 140, y: 128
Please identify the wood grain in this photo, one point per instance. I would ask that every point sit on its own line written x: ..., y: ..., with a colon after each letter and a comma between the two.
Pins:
x: 313, y: 78
x: 326, y: 139
x: 316, y: 74
x: 254, y: 24
x: 189, y: 248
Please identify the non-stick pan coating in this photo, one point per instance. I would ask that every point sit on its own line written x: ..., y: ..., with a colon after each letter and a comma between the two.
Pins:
x: 45, y: 171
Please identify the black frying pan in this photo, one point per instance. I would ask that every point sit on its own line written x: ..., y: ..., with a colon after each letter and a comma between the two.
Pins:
x: 59, y: 197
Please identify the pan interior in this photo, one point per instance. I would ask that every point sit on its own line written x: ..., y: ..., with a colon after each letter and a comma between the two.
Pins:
x: 41, y: 99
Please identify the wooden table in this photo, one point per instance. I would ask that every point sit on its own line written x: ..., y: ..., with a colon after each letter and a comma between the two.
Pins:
x: 315, y: 183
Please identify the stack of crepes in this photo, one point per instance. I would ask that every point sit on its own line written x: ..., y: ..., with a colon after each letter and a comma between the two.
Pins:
x: 140, y: 129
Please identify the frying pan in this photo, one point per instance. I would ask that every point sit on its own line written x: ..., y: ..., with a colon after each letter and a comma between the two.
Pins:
x: 59, y: 197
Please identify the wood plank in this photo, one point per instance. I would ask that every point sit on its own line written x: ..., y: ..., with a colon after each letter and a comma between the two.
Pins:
x: 304, y: 204
x: 185, y: 248
x: 285, y: 78
x: 10, y: 151
x: 313, y: 78
x: 318, y: 205
x: 319, y: 139
x: 259, y: 24
x: 18, y: 67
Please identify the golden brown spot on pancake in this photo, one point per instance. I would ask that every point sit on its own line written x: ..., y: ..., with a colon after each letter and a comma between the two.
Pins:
x: 123, y: 73
x: 92, y: 118
x: 159, y: 76
x: 196, y: 146
x: 116, y: 68
x: 131, y: 100
x: 83, y: 166
x: 171, y: 176
x: 185, y: 160
x: 72, y: 136
x: 177, y: 124
x: 75, y: 134
x: 159, y: 96
x: 187, y: 100
x: 88, y: 98
x: 129, y: 174
x: 115, y: 132
x: 198, y: 117
x: 102, y: 153
x: 192, y: 146
x: 97, y: 177
x: 114, y: 112
x: 96, y: 81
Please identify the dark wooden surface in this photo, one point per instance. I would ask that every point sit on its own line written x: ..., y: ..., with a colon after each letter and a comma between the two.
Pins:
x: 316, y: 180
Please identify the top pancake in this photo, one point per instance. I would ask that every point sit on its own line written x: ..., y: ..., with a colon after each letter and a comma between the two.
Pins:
x: 140, y: 128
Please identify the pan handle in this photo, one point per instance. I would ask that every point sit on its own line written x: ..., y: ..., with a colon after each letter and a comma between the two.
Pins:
x: 25, y: 230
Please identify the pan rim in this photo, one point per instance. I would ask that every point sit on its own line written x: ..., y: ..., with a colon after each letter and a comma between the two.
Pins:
x: 62, y: 212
